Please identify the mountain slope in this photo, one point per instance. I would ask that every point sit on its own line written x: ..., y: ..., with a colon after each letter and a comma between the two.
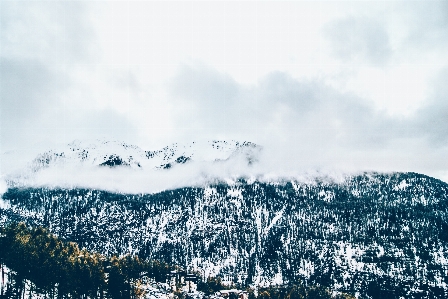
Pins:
x: 378, y: 235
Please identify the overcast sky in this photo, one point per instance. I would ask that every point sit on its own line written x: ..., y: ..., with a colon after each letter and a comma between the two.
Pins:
x: 349, y: 85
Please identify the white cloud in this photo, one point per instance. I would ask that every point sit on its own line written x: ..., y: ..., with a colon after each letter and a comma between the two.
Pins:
x: 3, y: 188
x: 400, y: 90
x: 349, y: 84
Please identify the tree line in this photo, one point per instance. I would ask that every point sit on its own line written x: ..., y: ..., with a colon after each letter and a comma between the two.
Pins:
x: 41, y: 263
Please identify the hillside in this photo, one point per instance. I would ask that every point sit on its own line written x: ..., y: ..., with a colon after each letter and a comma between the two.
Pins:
x: 376, y: 235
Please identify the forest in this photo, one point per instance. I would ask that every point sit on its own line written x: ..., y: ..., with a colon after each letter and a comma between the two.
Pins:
x: 40, y: 263
x: 61, y: 269
x: 375, y: 235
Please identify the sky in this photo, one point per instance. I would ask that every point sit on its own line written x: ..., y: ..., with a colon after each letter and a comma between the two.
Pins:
x: 350, y: 85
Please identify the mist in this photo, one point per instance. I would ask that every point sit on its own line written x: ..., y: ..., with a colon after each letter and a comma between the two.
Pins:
x: 322, y: 87
x: 267, y: 164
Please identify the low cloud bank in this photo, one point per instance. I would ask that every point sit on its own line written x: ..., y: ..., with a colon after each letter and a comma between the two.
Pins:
x: 273, y: 163
x: 129, y: 180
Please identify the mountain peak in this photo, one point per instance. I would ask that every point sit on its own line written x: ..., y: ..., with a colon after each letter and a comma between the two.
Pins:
x: 114, y: 153
x: 83, y: 163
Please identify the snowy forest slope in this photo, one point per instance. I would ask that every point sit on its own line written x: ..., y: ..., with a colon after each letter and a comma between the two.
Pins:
x: 373, y: 234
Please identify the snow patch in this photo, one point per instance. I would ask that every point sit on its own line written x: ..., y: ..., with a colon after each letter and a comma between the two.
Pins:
x: 4, y: 204
x: 402, y: 186
x: 326, y: 196
x: 274, y: 221
x: 235, y: 193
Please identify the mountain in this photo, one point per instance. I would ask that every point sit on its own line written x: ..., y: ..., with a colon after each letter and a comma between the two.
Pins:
x: 113, y: 153
x: 120, y: 167
x: 377, y: 235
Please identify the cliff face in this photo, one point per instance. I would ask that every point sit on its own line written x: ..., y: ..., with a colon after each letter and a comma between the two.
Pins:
x: 381, y: 235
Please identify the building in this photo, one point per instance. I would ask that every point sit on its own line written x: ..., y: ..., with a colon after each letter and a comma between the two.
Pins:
x: 232, y: 294
x: 182, y: 281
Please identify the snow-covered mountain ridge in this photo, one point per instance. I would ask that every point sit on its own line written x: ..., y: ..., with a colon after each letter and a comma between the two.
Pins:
x: 113, y: 153
x: 120, y: 167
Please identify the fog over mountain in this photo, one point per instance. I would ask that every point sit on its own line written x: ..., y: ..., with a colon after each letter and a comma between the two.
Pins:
x: 120, y: 167
x: 207, y: 207
x: 352, y: 86
x: 265, y: 143
x: 219, y: 209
